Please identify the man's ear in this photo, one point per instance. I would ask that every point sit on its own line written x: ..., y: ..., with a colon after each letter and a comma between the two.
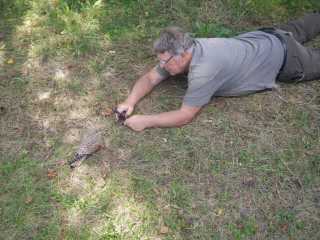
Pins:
x: 186, y: 59
x: 183, y: 54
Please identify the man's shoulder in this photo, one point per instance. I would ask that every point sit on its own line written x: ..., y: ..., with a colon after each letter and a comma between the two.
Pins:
x: 209, y: 54
x: 206, y: 47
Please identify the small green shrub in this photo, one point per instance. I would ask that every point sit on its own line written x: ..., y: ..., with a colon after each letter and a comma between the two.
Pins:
x: 244, y: 230
x: 15, y: 8
x: 212, y: 30
x: 273, y: 9
x: 63, y: 26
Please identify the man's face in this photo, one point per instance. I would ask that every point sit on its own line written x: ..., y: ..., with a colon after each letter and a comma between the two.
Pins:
x: 174, y: 64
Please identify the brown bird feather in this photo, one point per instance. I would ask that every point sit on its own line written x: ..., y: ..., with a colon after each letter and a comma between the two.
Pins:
x: 91, y: 142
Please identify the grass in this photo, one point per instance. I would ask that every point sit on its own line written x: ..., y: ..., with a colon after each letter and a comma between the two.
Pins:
x: 246, y: 168
x: 26, y: 204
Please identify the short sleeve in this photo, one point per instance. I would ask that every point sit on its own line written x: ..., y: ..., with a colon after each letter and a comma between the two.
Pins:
x: 202, y: 84
x: 198, y: 97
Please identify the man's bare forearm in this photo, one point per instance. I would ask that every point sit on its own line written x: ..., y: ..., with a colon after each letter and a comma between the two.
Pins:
x: 168, y: 119
x: 175, y: 118
x: 143, y: 86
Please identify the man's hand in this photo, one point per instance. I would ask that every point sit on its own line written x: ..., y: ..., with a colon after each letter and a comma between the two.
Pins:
x: 137, y: 122
x: 125, y: 107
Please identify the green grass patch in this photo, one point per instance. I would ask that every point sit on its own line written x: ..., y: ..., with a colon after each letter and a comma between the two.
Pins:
x: 244, y: 229
x: 26, y: 200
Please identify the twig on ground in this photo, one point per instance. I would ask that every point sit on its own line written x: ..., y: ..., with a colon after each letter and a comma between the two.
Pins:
x: 292, y: 173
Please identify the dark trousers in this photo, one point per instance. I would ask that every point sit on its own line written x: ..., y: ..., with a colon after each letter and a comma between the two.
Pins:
x: 302, y: 63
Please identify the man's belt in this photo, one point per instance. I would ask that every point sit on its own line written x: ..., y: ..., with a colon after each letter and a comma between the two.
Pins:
x: 274, y: 32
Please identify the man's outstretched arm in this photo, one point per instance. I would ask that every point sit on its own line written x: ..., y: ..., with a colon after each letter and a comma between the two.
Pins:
x: 175, y: 118
x: 142, y: 87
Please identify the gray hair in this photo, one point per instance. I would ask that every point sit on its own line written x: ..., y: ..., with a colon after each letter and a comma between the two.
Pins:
x: 173, y: 40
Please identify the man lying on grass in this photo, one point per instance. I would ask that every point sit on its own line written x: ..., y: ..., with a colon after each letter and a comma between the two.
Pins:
x: 248, y: 63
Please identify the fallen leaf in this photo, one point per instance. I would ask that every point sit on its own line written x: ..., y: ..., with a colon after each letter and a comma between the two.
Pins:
x: 249, y: 181
x: 10, y: 61
x: 107, y: 112
x: 240, y: 226
x: 51, y: 173
x: 284, y: 227
x: 69, y: 66
x: 220, y: 211
x: 55, y: 3
x: 28, y: 200
x: 156, y: 190
x: 61, y: 162
x: 164, y: 230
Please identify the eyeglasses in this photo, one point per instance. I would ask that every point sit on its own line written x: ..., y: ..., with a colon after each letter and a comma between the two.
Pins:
x: 164, y: 62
